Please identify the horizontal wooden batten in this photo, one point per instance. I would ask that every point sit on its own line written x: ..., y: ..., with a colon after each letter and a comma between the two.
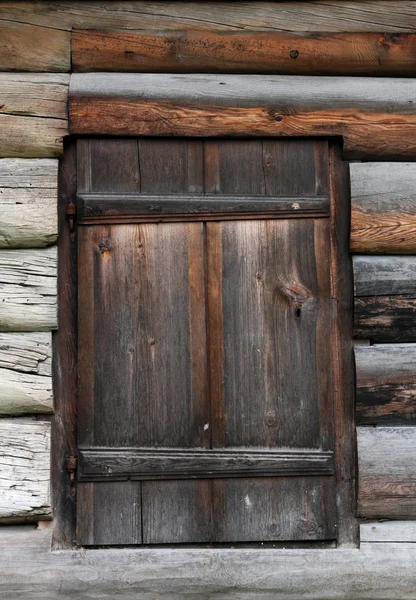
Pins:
x: 385, y: 298
x: 33, y: 118
x: 143, y: 463
x: 248, y: 105
x: 25, y: 470
x: 386, y: 384
x: 217, y: 51
x: 383, y: 208
x: 28, y: 292
x: 106, y: 206
x: 28, y: 202
x: 388, y: 532
x: 386, y: 472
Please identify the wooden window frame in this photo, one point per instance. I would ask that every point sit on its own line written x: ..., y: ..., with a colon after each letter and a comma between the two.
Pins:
x: 64, y: 438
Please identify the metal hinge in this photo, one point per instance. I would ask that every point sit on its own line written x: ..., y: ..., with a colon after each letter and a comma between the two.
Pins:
x: 71, y: 465
x: 71, y: 214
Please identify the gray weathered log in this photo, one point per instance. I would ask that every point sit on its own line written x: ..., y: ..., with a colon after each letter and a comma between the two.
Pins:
x: 33, y: 116
x: 28, y: 289
x: 386, y: 383
x: 36, y: 37
x: 28, y: 202
x: 25, y: 470
x: 373, y: 572
x: 386, y: 472
x: 27, y: 352
x: 388, y: 531
x: 384, y: 275
x: 383, y: 210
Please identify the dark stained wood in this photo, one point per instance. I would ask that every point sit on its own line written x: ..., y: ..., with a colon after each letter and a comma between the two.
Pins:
x: 386, y: 384
x: 384, y: 275
x: 64, y: 363
x: 109, y: 515
x: 91, y: 206
x: 341, y: 343
x: 385, y: 318
x: 385, y: 489
x: 141, y: 463
x: 375, y: 117
x: 273, y: 509
x: 216, y: 51
x: 383, y: 216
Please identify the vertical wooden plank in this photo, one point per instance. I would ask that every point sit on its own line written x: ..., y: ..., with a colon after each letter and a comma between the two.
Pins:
x: 177, y: 512
x: 109, y: 513
x: 64, y: 363
x: 114, y: 165
x: 342, y: 348
x: 273, y: 509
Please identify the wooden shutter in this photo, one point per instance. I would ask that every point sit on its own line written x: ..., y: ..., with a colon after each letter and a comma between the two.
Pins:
x: 205, y: 392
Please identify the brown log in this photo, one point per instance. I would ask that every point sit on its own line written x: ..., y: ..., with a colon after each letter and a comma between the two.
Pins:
x: 212, y: 105
x: 383, y: 216
x: 216, y: 51
x: 386, y: 384
x: 385, y: 318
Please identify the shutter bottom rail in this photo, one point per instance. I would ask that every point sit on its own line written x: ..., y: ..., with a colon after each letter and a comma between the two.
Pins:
x: 103, y: 464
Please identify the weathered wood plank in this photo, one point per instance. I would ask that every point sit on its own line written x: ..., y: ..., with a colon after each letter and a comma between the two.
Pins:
x: 388, y: 531
x: 386, y: 383
x: 384, y: 275
x: 33, y: 117
x: 30, y: 570
x: 36, y: 37
x: 25, y: 462
x: 25, y: 373
x: 28, y: 289
x: 213, y: 105
x: 383, y: 215
x: 28, y: 202
x: 385, y: 318
x: 144, y: 463
x: 216, y: 51
x: 386, y: 472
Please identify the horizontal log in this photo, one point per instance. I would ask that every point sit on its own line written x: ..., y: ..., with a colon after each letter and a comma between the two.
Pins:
x: 25, y: 468
x: 388, y: 531
x: 216, y: 51
x: 386, y: 472
x: 385, y: 318
x: 101, y: 464
x: 30, y: 570
x: 36, y: 37
x: 384, y: 275
x: 92, y: 206
x: 383, y: 207
x: 28, y: 280
x: 25, y: 373
x: 33, y: 117
x: 28, y: 202
x: 386, y: 383
x: 213, y: 105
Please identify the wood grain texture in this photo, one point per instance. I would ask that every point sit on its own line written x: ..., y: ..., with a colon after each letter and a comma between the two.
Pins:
x: 385, y: 318
x: 28, y: 202
x: 386, y: 384
x: 386, y: 472
x: 384, y: 275
x: 65, y: 366
x: 25, y: 460
x: 28, y: 289
x: 388, y: 531
x: 383, y: 215
x: 247, y: 105
x: 143, y: 463
x: 216, y: 51
x: 33, y: 118
x: 383, y: 571
x: 36, y: 37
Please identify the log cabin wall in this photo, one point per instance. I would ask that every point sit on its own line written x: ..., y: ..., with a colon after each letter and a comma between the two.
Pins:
x: 35, y: 60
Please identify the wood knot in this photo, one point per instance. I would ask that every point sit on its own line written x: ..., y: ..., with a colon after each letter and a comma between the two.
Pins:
x: 271, y: 419
x: 294, y: 53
